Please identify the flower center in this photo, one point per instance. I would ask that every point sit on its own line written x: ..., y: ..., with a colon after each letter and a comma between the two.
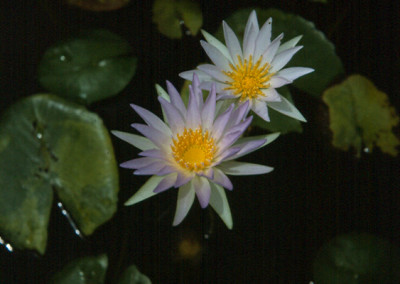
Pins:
x: 248, y: 79
x: 193, y: 150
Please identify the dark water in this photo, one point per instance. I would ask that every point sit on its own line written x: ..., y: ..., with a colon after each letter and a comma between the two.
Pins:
x: 280, y: 219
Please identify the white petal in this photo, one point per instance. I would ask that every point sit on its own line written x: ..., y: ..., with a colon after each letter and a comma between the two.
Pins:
x: 219, y: 203
x: 260, y: 108
x: 278, y: 81
x: 263, y: 39
x: 249, y: 42
x: 270, y: 95
x: 188, y: 75
x: 208, y: 112
x: 185, y: 200
x: 268, y: 137
x: 232, y: 43
x: 282, y: 58
x: 293, y: 73
x: 151, y: 119
x: 289, y: 44
x: 138, y: 141
x: 241, y: 169
x: 270, y: 52
x: 176, y: 98
x: 145, y: 191
x: 214, y: 72
x: 287, y: 108
x: 219, y: 45
x: 252, y: 21
x: 215, y: 55
x: 162, y: 93
x: 203, y: 191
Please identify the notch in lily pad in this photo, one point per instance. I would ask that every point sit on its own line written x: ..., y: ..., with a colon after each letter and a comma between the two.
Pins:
x: 92, y: 66
x: 51, y: 146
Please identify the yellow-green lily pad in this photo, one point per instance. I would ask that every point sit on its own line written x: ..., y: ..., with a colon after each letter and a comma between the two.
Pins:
x: 361, y: 116
x: 90, y: 67
x: 50, y: 145
x: 169, y: 14
x: 318, y: 52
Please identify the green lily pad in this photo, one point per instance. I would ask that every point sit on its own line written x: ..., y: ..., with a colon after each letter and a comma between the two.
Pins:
x: 85, y: 270
x: 90, y: 67
x: 50, y: 145
x: 168, y: 14
x: 132, y: 275
x: 357, y: 258
x: 360, y: 115
x: 318, y: 52
x: 279, y: 122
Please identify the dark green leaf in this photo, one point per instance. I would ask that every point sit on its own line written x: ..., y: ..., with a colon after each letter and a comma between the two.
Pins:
x: 279, y: 122
x: 168, y: 14
x: 318, y: 52
x: 360, y: 115
x: 85, y: 270
x: 49, y: 144
x: 90, y: 67
x: 357, y: 258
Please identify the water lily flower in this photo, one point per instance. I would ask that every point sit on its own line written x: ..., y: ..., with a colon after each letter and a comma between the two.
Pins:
x: 193, y: 150
x: 251, y: 72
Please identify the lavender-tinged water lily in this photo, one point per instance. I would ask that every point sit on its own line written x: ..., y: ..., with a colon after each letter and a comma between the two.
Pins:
x: 193, y: 150
x: 251, y: 72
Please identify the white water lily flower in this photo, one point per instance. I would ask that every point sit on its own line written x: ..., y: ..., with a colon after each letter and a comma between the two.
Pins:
x: 252, y: 72
x: 192, y: 150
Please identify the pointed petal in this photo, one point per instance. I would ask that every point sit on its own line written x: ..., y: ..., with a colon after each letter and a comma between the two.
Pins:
x: 137, y: 163
x: 252, y: 21
x: 263, y: 39
x: 221, y: 179
x: 145, y: 191
x: 289, y: 44
x: 151, y: 119
x: 185, y: 200
x: 157, y: 137
x: 242, y: 169
x: 182, y: 179
x: 249, y: 42
x: 232, y: 43
x: 220, y: 123
x: 151, y: 169
x: 219, y: 203
x: 246, y: 148
x: 139, y: 142
x: 287, y: 108
x: 193, y: 116
x: 219, y: 45
x: 270, y: 52
x: 278, y: 81
x: 174, y: 117
x: 214, y: 72
x: 270, y: 95
x: 246, y: 140
x: 260, y: 108
x: 281, y: 59
x: 293, y: 73
x: 216, y: 56
x: 227, y: 153
x: 167, y: 182
x: 162, y: 93
x: 208, y: 112
x: 188, y: 75
x: 153, y: 153
x: 176, y: 99
x: 202, y: 188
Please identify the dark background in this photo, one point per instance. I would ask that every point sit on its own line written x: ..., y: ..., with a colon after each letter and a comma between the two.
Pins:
x: 281, y: 219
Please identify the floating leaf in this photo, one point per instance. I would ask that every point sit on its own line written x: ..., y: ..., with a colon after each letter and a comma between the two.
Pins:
x: 279, y: 122
x: 318, y: 52
x: 168, y: 14
x: 85, y: 270
x: 132, y: 275
x: 357, y: 258
x: 361, y: 114
x: 90, y: 67
x: 98, y: 5
x: 47, y: 145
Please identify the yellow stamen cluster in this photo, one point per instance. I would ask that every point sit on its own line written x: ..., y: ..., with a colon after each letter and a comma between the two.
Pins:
x: 248, y: 79
x: 193, y: 150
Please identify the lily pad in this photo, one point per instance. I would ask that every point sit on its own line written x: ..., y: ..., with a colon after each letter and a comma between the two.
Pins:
x: 357, y: 258
x: 169, y: 14
x: 279, y: 122
x: 85, y: 270
x: 132, y: 275
x: 318, y: 52
x: 360, y: 115
x: 90, y: 67
x: 50, y: 145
